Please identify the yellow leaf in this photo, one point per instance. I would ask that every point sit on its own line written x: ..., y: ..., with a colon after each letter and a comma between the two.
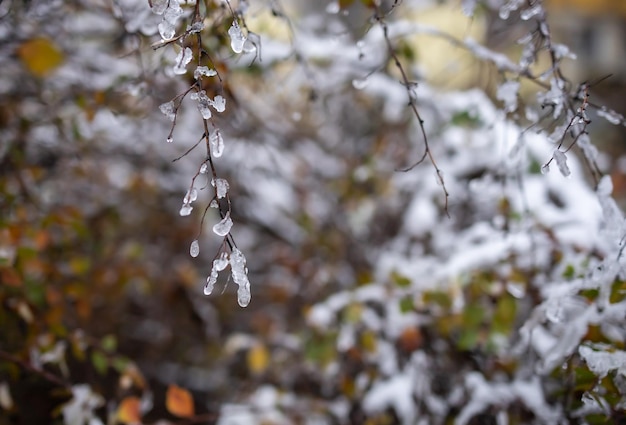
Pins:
x: 179, y: 402
x: 128, y: 411
x: 258, y: 359
x: 40, y: 56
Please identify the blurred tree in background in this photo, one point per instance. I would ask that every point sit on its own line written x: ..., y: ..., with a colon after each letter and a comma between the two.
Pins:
x: 413, y: 189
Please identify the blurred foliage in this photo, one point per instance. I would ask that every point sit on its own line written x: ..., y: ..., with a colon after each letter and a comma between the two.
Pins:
x: 97, y: 287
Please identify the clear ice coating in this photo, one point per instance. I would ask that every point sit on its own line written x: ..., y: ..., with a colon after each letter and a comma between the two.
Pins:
x: 221, y: 187
x: 240, y: 276
x: 169, y: 110
x: 219, y: 264
x: 194, y: 249
x: 203, y: 71
x: 203, y: 103
x: 223, y: 227
x: 237, y: 39
x: 210, y: 281
x: 216, y: 142
x: 195, y: 27
x: 182, y: 60
x: 159, y: 6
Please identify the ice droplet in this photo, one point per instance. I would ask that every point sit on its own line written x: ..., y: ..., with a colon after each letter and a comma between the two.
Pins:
x: 194, y: 249
x: 237, y: 39
x: 223, y: 227
x: 221, y: 263
x: 166, y: 30
x: 243, y: 295
x: 545, y: 168
x: 221, y: 187
x: 561, y: 162
x: 190, y: 196
x: 214, y: 203
x: 216, y: 141
x: 185, y: 210
x: 169, y: 110
x: 219, y: 103
x: 204, y: 168
x: 182, y: 60
x: 170, y: 140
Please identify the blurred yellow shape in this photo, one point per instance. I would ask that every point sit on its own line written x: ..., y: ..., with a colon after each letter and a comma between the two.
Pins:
x: 40, y: 56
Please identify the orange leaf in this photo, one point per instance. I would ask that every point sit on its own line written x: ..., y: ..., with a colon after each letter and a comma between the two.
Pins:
x: 179, y: 402
x: 128, y: 411
x: 40, y: 56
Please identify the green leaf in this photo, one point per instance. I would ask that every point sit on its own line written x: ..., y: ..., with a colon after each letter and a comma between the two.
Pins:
x: 473, y: 316
x: 468, y: 340
x: 504, y: 315
x: 400, y: 280
x: 109, y: 343
x: 406, y: 304
x: 99, y: 362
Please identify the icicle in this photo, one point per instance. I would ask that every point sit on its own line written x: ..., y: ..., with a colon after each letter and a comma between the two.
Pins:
x: 240, y: 276
x: 194, y: 249
x: 216, y: 142
x: 210, y: 282
x: 223, y: 227
x: 237, y: 38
